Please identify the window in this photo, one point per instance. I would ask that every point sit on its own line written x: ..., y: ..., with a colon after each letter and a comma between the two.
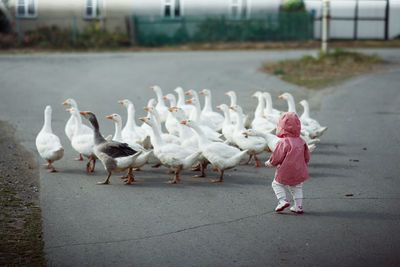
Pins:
x: 94, y: 9
x: 172, y: 9
x: 26, y: 8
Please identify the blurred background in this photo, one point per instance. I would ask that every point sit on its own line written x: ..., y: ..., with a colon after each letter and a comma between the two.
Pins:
x: 125, y: 23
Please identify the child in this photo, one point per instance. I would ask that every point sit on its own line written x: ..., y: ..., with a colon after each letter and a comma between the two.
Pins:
x: 291, y: 155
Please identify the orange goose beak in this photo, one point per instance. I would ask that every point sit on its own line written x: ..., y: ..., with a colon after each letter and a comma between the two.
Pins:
x: 65, y: 103
x: 83, y: 112
x: 218, y: 107
x: 142, y: 118
x: 201, y: 92
x: 147, y: 108
x: 245, y: 133
x: 172, y: 109
x: 231, y: 107
x: 187, y: 93
x: 121, y: 102
x: 109, y: 117
x: 281, y: 96
x: 69, y: 110
x: 184, y: 122
x: 189, y: 101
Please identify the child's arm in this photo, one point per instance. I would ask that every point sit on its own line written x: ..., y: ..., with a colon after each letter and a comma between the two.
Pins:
x: 278, y: 155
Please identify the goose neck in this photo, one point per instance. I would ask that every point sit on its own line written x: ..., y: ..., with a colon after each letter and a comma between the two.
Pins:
x: 268, y: 104
x: 47, y: 122
x: 207, y: 103
x: 260, y: 107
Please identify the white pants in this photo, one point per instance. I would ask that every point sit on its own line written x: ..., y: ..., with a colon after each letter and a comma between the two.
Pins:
x: 295, y: 190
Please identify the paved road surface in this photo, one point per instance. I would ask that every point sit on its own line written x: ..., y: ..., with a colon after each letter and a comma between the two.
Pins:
x: 351, y: 201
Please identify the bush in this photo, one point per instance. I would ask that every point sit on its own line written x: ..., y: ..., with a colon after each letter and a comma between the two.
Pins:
x: 293, y: 5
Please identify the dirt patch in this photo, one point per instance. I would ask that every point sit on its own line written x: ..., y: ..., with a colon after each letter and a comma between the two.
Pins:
x: 323, y: 70
x: 20, y: 217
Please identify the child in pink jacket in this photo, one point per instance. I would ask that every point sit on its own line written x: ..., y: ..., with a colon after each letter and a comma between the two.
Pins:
x: 291, y: 156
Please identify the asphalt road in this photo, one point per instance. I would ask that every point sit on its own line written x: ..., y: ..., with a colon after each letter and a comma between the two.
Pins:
x: 352, y: 197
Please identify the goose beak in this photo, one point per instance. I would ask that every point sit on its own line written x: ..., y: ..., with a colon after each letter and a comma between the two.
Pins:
x: 254, y: 95
x: 187, y: 93
x: 121, y: 102
x: 109, y: 117
x: 142, y: 118
x: 69, y: 110
x: 218, y: 107
x: 165, y: 97
x: 201, y: 92
x: 83, y: 112
x: 281, y: 96
x: 231, y: 107
x: 226, y: 93
x: 189, y: 101
x: 184, y: 122
x: 245, y: 133
x: 147, y: 108
x: 172, y: 109
x: 65, y: 103
x: 152, y: 87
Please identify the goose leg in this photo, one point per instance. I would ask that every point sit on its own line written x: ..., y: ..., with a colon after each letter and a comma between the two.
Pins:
x: 248, y: 160
x: 220, y: 179
x: 156, y: 165
x: 203, y: 170
x: 52, y: 169
x: 130, y: 176
x: 196, y: 167
x: 106, y: 181
x: 94, y: 164
x: 80, y: 157
x: 257, y: 162
x: 88, y: 165
x: 177, y: 176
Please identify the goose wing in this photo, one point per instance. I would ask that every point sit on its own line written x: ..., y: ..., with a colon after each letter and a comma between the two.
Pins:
x: 116, y: 149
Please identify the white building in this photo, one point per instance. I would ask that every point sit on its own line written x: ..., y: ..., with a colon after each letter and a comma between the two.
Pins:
x: 113, y: 13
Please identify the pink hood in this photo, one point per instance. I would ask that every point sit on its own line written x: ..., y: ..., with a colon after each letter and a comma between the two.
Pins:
x: 288, y: 125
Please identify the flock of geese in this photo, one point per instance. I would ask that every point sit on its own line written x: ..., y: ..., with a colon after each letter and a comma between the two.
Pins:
x: 195, y: 137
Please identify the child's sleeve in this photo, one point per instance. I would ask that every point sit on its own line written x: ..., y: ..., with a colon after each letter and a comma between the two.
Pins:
x: 306, y: 153
x: 279, y: 153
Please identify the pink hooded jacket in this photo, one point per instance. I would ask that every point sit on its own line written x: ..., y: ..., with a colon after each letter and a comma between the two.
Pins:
x: 291, y: 153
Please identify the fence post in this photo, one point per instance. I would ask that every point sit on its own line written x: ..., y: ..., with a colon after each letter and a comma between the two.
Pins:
x: 325, y: 21
x: 74, y: 32
x: 387, y: 20
x: 18, y: 31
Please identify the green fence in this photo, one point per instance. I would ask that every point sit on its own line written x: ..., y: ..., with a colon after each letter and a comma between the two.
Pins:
x: 154, y: 31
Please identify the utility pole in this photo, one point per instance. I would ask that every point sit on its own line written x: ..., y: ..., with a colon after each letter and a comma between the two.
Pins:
x: 325, y: 26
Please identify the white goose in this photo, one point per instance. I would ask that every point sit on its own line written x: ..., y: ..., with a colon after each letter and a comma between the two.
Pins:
x: 259, y: 122
x: 220, y: 155
x: 305, y: 117
x: 189, y: 139
x: 233, y: 99
x: 206, y: 126
x: 270, y: 113
x: 70, y: 125
x: 171, y: 124
x: 208, y: 113
x: 227, y: 126
x: 271, y: 138
x: 132, y: 133
x: 252, y: 144
x: 307, y: 132
x: 161, y: 108
x: 142, y: 159
x: 182, y: 103
x: 47, y: 143
x: 173, y: 156
x: 83, y: 142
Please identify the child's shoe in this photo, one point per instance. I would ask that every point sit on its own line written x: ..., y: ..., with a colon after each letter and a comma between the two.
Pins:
x: 297, y: 209
x: 283, y: 204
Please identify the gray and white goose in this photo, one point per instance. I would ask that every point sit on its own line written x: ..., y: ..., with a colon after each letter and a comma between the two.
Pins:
x: 115, y: 156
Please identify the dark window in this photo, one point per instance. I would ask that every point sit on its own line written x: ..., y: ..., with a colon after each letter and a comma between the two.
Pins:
x: 177, y: 11
x: 167, y: 12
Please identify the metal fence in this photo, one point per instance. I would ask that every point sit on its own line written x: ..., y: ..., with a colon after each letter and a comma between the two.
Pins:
x: 115, y: 32
x: 154, y: 31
